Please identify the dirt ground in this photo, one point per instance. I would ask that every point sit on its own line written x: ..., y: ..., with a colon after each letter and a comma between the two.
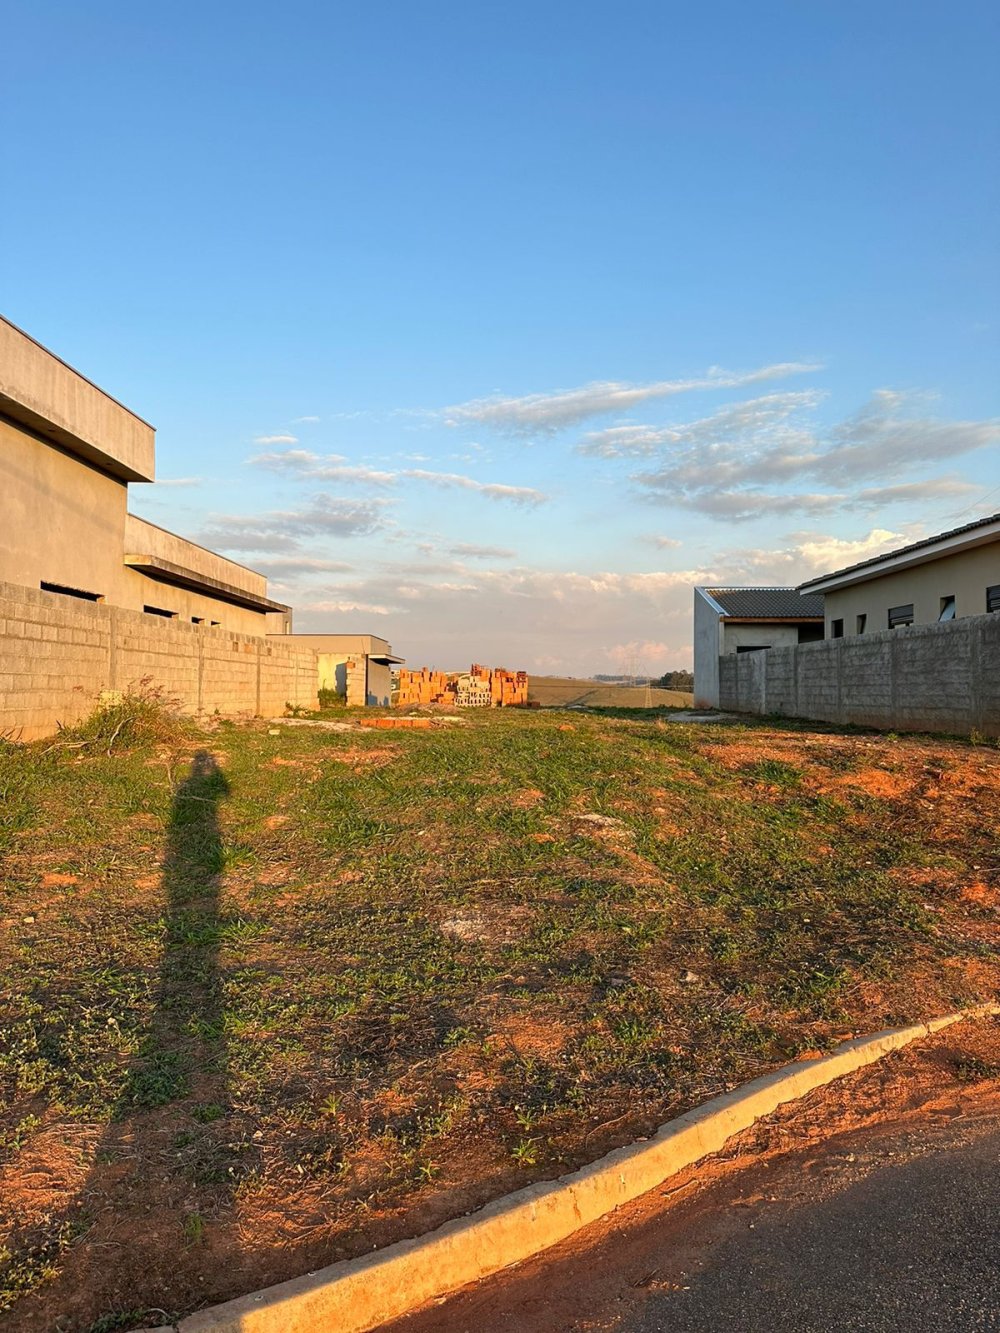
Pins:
x: 931, y: 1095
x: 278, y: 997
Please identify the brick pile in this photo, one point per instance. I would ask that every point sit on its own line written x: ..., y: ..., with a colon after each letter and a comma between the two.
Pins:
x: 423, y: 687
x: 480, y: 687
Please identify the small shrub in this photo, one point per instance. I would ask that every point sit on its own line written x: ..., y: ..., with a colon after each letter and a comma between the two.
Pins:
x: 141, y: 715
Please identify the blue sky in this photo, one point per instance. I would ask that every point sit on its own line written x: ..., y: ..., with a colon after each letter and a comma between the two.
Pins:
x: 491, y: 328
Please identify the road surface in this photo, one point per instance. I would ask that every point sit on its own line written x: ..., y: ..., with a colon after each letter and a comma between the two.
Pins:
x: 892, y: 1227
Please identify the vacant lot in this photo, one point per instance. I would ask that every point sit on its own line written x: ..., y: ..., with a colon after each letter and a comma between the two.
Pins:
x: 271, y: 1000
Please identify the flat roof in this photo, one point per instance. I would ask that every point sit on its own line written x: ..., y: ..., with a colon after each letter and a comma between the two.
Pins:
x: 165, y: 571
x: 977, y: 533
x: 47, y: 395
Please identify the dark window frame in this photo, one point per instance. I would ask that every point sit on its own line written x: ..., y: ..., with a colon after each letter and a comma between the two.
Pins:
x: 901, y: 616
x: 80, y: 593
x: 837, y: 628
x: 993, y: 598
x: 160, y: 611
x: 861, y: 622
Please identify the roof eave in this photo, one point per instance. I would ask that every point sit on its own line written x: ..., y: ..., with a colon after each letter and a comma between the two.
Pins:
x: 165, y: 571
x: 892, y: 563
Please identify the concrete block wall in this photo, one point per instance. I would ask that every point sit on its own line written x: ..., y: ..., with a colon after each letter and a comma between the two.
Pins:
x: 939, y: 678
x: 57, y: 654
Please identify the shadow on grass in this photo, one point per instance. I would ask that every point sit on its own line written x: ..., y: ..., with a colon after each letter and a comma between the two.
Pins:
x: 184, y: 1042
x: 182, y: 1052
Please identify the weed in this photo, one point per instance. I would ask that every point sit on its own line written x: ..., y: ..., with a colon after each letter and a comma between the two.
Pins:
x: 123, y: 1319
x: 972, y: 1069
x: 525, y: 1152
x: 194, y: 1229
x: 142, y: 715
x: 27, y: 1267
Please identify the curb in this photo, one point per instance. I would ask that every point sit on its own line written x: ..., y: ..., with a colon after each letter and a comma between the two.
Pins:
x: 357, y: 1295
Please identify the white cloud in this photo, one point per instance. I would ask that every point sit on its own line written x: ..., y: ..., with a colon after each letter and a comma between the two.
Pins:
x: 281, y: 530
x: 665, y: 543
x: 546, y: 413
x: 470, y: 551
x: 309, y: 420
x: 805, y: 554
x: 288, y: 566
x: 735, y: 463
x: 755, y: 420
x: 522, y: 495
x: 638, y: 656
x: 178, y: 481
x: 521, y: 618
x: 343, y: 607
x: 276, y: 439
x: 303, y: 464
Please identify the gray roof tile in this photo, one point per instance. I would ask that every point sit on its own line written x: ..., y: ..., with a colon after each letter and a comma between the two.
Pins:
x: 767, y: 603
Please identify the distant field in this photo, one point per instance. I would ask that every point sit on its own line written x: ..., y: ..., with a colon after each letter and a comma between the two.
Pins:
x: 562, y: 691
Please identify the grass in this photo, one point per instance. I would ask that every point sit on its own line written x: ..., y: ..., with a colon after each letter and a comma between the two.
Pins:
x: 299, y: 993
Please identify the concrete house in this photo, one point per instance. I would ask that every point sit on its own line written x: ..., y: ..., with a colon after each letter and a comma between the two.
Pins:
x: 947, y: 577
x: 743, y: 620
x: 68, y: 453
x: 358, y: 667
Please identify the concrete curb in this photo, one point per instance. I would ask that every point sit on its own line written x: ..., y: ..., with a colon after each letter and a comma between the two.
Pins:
x: 360, y: 1294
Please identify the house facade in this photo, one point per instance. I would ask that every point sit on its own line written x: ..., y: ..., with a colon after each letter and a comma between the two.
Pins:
x: 95, y: 602
x: 357, y: 667
x: 946, y: 577
x: 68, y: 454
x: 740, y: 620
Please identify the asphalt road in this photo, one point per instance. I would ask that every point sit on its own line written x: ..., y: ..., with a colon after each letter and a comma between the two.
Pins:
x: 892, y: 1228
x: 909, y: 1244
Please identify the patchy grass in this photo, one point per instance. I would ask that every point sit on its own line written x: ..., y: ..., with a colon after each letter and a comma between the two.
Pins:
x: 274, y: 1000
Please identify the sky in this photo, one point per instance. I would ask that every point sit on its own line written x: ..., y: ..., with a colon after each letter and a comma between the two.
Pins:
x: 493, y: 328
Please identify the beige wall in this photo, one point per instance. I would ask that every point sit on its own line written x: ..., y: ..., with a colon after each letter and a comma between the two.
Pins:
x: 142, y: 537
x: 771, y: 636
x: 64, y: 521
x: 965, y: 575
x: 44, y: 393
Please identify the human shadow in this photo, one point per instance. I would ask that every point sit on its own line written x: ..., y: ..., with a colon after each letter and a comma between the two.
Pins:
x: 181, y: 1056
x: 183, y: 1046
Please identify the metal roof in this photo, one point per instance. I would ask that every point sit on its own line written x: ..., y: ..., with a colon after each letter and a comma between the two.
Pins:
x: 767, y: 603
x: 924, y: 544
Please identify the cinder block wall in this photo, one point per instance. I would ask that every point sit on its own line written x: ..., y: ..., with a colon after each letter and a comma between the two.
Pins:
x: 942, y: 678
x: 57, y: 654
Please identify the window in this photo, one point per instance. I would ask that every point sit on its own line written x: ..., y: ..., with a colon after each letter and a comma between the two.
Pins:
x: 836, y: 629
x: 197, y: 620
x: 993, y: 598
x: 159, y: 611
x: 71, y: 592
x: 752, y: 647
x: 900, y: 615
x: 862, y: 622
x: 947, y: 609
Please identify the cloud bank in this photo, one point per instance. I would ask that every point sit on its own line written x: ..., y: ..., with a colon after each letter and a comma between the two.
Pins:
x: 547, y: 413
